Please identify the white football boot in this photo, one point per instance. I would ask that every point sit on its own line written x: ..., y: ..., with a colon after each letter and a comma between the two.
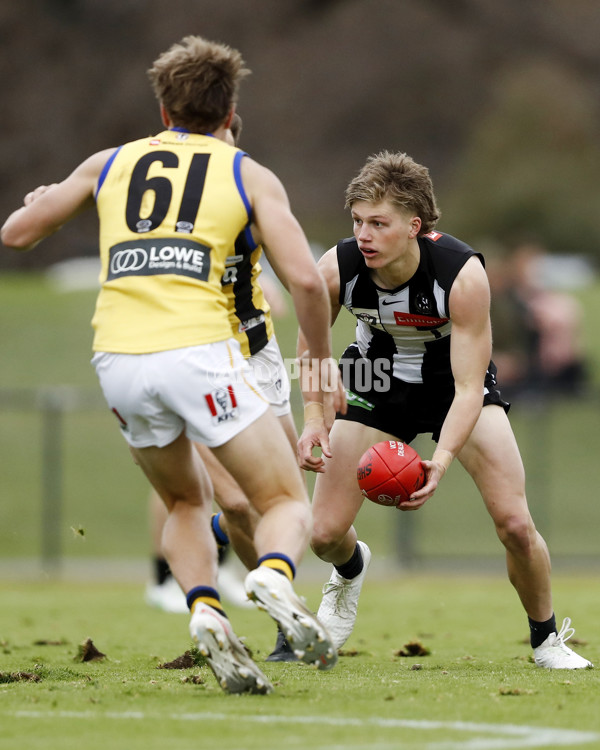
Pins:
x: 553, y: 654
x: 273, y: 593
x: 339, y: 604
x: 226, y: 656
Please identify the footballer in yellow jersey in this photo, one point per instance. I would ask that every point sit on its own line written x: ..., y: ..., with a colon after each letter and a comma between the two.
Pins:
x: 163, y: 257
x: 171, y: 208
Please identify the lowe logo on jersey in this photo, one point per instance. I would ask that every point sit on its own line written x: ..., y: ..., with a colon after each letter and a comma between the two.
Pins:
x: 151, y: 257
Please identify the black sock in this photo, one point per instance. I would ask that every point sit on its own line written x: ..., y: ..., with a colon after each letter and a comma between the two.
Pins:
x: 539, y: 631
x: 223, y: 553
x: 161, y: 570
x: 353, y: 567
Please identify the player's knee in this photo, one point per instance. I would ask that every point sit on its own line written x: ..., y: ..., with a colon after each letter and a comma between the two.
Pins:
x: 187, y: 501
x: 517, y: 533
x: 324, y: 540
x: 235, y: 508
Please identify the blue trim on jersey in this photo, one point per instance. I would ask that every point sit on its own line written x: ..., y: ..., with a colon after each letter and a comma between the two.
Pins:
x: 105, y: 169
x: 237, y: 173
x: 252, y: 243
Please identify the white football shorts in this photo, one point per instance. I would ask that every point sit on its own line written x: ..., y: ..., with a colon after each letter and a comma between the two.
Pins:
x: 272, y: 377
x: 208, y: 391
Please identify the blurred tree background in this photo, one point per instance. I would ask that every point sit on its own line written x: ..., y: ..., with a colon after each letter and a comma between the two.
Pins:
x: 499, y: 99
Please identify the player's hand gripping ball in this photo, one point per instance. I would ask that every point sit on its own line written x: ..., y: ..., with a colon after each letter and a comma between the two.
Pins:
x: 389, y: 472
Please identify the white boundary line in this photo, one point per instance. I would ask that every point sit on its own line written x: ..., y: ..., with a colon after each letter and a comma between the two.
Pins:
x: 491, y: 736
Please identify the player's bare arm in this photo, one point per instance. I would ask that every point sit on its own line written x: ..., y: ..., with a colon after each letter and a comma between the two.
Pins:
x: 293, y: 260
x: 288, y: 246
x: 48, y: 207
x: 470, y: 352
x: 318, y: 422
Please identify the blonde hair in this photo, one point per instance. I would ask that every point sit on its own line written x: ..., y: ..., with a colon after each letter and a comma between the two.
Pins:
x: 197, y: 82
x: 397, y: 178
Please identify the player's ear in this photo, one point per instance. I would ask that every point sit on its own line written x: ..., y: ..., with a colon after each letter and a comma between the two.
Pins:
x: 166, y: 120
x: 415, y: 227
x: 229, y: 120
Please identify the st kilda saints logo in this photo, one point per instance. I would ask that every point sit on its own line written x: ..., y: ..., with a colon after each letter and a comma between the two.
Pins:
x: 222, y: 404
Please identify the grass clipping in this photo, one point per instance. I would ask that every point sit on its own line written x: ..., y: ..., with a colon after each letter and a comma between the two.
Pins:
x: 88, y: 652
x: 413, y: 648
x: 189, y: 660
x: 19, y: 677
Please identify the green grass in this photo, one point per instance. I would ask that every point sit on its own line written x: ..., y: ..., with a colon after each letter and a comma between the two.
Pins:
x: 46, y: 341
x: 478, y: 671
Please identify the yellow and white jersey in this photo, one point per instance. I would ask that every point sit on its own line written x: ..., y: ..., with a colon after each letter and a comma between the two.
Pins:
x: 171, y: 207
x: 249, y: 311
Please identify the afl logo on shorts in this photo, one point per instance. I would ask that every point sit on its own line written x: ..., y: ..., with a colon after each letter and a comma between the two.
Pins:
x: 222, y: 404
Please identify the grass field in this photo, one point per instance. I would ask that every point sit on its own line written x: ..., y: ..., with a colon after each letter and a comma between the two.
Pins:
x: 475, y: 689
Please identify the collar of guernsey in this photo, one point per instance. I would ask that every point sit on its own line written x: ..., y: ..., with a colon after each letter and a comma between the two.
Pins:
x: 163, y: 257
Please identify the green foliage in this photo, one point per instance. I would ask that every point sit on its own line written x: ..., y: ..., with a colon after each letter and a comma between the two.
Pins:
x: 531, y: 164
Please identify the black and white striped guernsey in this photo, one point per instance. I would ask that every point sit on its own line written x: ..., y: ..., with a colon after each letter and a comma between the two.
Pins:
x: 409, y: 326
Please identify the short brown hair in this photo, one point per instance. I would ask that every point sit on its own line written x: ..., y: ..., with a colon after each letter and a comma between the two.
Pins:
x: 197, y: 82
x: 397, y: 178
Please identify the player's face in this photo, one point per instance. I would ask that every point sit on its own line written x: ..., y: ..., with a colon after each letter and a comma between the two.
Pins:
x: 382, y: 231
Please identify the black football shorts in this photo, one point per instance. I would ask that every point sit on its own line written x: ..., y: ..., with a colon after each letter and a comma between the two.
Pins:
x: 402, y: 409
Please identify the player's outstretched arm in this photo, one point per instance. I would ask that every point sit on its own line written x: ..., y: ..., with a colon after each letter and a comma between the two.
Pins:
x: 287, y: 246
x: 48, y: 207
x: 288, y: 250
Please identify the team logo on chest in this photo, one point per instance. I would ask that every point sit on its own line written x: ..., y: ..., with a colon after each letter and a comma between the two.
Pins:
x: 422, y: 304
x: 222, y: 404
x: 420, y: 313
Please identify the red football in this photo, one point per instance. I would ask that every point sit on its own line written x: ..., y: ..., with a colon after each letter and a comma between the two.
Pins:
x: 389, y: 472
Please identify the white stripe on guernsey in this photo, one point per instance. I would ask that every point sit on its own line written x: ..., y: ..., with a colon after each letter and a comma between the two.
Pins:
x: 348, y: 293
x: 440, y: 299
x: 364, y: 335
x: 486, y: 736
x: 407, y: 366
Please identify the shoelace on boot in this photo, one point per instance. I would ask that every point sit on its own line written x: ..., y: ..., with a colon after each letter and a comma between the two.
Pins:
x: 340, y: 591
x: 564, y: 633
